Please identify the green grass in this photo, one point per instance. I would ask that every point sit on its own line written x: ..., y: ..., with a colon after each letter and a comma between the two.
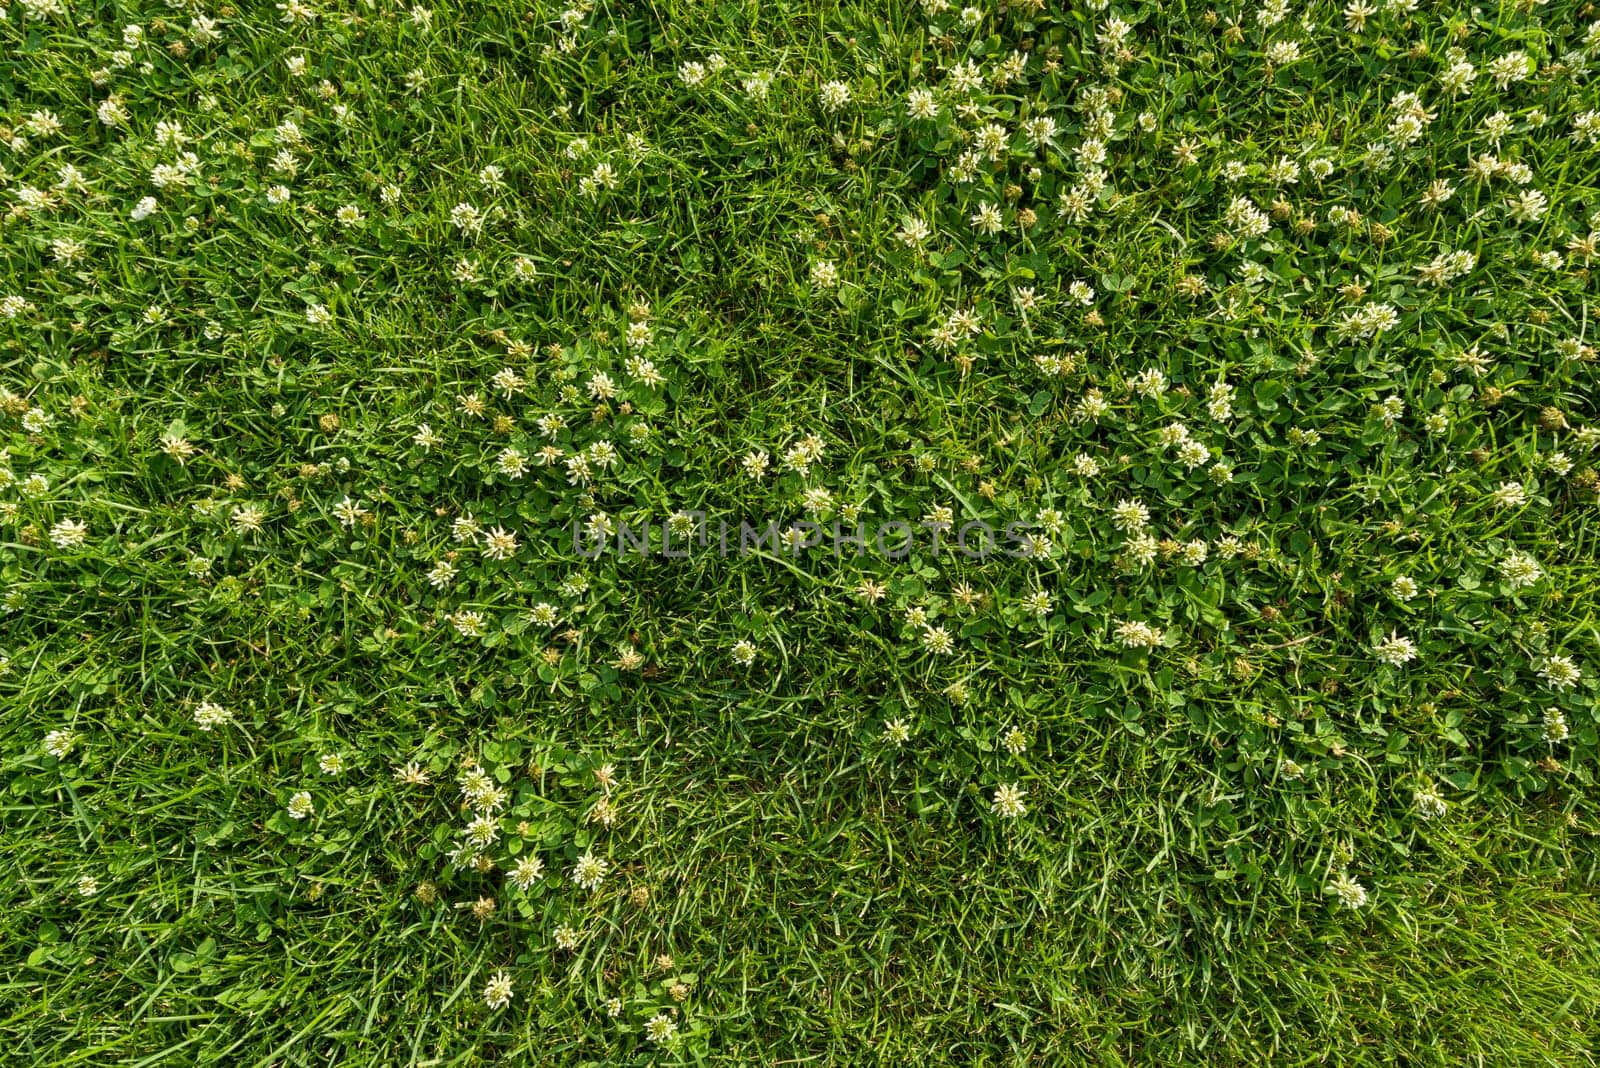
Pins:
x: 788, y: 881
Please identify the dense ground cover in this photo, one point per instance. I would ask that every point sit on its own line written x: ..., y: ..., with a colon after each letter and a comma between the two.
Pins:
x: 1268, y: 738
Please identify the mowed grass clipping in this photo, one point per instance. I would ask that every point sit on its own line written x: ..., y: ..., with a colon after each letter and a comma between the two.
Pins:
x: 1270, y: 739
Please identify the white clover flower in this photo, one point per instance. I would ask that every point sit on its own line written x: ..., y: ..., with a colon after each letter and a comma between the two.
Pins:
x: 1128, y: 515
x: 1527, y: 206
x: 1351, y: 894
x: 1554, y: 726
x: 590, y: 871
x: 987, y: 219
x: 482, y: 831
x: 1509, y: 495
x: 756, y: 86
x: 1395, y: 650
x: 69, y: 534
x: 1141, y: 549
x: 111, y: 112
x: 59, y: 743
x: 466, y: 218
x: 1008, y: 802
x: 1134, y: 634
x: 209, y: 715
x: 1428, y: 803
x: 833, y: 96
x: 527, y: 871
x: 349, y: 512
x: 1283, y: 53
x: 1560, y: 672
x: 660, y: 1028
x: 468, y: 623
x: 499, y: 544
x: 1520, y: 570
x: 497, y: 991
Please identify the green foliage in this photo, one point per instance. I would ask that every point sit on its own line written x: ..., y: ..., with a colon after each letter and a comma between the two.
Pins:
x: 1269, y: 326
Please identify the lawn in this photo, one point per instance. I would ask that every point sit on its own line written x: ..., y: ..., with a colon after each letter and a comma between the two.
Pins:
x: 778, y: 533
